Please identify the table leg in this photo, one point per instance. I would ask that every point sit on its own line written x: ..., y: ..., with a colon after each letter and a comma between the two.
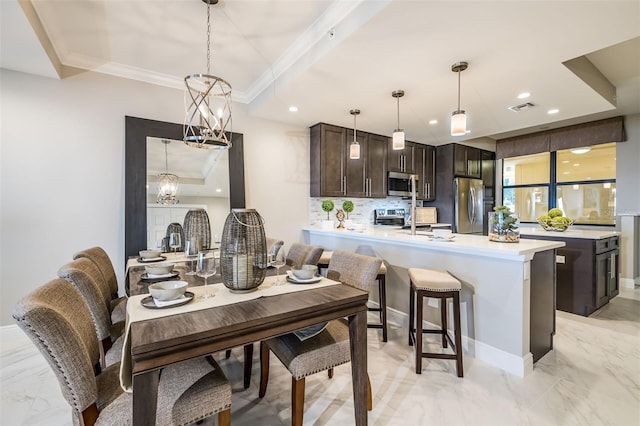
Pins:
x: 358, y: 346
x: 145, y: 397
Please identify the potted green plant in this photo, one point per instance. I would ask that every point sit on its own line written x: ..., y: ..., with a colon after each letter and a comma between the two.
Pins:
x: 327, y: 206
x: 504, y: 225
x: 348, y: 207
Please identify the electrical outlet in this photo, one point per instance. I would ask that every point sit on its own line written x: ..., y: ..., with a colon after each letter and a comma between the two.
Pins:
x: 432, y: 302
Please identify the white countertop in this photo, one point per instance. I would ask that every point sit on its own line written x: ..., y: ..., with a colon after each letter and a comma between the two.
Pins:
x: 478, y: 245
x: 569, y: 233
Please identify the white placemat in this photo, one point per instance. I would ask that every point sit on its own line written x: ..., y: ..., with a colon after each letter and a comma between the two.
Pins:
x: 222, y: 296
x: 170, y: 258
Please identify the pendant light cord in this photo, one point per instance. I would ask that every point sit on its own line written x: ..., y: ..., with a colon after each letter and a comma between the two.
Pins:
x: 398, y: 109
x: 458, y: 90
x: 354, y: 128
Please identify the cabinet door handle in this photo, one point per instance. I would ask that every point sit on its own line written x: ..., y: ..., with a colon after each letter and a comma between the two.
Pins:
x: 428, y: 190
x: 612, y: 267
x: 344, y: 185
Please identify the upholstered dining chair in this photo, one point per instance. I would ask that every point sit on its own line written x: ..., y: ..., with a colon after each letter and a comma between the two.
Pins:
x: 117, y: 305
x: 303, y: 254
x: 327, y: 349
x: 57, y: 320
x: 85, y: 277
x: 273, y: 246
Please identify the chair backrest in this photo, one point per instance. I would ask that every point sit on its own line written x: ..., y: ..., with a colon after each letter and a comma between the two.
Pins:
x: 58, y: 322
x: 303, y: 254
x: 354, y: 269
x: 85, y: 276
x: 273, y: 246
x: 101, y: 259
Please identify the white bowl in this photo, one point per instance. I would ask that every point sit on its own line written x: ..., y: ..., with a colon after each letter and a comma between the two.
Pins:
x: 149, y: 254
x: 442, y: 233
x: 159, y: 268
x: 168, y: 290
x: 305, y: 272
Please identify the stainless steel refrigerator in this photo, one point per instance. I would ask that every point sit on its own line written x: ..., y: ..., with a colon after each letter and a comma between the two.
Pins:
x: 468, y: 212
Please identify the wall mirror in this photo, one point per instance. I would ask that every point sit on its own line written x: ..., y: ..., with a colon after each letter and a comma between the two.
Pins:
x: 202, y: 171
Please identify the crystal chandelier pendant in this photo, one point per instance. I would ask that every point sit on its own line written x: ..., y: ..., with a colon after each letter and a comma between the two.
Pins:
x: 208, y: 122
x: 167, y: 189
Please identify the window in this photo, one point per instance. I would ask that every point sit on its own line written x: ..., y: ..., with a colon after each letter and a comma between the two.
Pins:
x: 581, y: 182
x: 526, y: 185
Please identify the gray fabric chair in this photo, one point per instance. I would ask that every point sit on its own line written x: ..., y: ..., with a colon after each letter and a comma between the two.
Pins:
x: 187, y: 392
x: 85, y: 276
x: 273, y: 246
x: 303, y: 254
x: 327, y: 349
x: 117, y: 305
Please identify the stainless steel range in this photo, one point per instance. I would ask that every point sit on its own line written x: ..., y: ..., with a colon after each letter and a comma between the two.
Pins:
x: 394, y: 217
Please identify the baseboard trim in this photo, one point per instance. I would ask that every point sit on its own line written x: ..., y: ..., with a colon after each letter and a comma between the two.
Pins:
x: 629, y: 282
x: 513, y: 364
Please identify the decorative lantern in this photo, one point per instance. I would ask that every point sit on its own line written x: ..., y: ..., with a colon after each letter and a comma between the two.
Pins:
x: 243, y: 251
x: 196, y: 224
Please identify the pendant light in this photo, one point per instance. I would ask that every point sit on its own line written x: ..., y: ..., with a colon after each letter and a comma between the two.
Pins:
x: 207, y: 122
x: 168, y: 183
x: 398, y: 133
x: 354, y: 148
x: 458, y: 117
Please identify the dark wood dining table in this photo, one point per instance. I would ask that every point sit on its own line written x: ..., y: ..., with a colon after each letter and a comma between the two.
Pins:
x: 163, y: 341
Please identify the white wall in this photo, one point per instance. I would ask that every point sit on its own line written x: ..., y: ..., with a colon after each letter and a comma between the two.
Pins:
x: 628, y: 169
x: 62, y: 171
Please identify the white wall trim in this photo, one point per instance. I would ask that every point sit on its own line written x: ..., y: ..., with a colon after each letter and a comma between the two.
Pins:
x: 629, y: 282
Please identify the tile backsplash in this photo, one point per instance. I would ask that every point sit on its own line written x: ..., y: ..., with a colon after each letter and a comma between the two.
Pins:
x: 362, y: 212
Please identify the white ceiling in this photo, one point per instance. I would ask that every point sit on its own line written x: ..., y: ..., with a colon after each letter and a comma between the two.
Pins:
x: 327, y: 57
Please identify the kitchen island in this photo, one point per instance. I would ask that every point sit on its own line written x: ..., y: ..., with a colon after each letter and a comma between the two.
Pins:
x: 508, y: 289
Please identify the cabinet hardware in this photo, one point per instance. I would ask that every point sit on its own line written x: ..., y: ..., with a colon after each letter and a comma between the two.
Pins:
x: 612, y: 267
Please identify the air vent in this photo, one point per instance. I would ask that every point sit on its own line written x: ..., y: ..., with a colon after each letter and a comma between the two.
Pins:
x: 518, y: 108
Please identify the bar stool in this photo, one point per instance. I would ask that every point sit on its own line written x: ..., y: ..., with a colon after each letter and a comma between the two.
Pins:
x: 381, y: 278
x: 441, y: 285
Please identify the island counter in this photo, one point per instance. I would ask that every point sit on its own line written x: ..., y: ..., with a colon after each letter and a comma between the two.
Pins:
x: 508, y: 289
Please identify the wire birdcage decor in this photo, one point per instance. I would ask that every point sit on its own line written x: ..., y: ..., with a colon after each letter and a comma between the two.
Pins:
x: 243, y: 251
x: 196, y: 225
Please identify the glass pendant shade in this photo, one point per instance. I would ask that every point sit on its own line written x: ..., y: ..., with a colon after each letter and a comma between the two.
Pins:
x: 458, y: 123
x: 168, y: 189
x: 398, y: 139
x: 354, y: 147
x: 398, y: 133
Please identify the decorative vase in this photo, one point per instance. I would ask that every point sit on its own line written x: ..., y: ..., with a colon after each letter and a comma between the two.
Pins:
x: 243, y: 251
x: 504, y: 227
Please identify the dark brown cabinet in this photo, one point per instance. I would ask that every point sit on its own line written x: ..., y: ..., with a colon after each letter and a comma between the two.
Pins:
x: 467, y: 161
x: 587, y: 273
x: 424, y: 157
x: 401, y: 160
x: 334, y: 174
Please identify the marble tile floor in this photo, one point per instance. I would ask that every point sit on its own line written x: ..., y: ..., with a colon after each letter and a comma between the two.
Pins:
x: 592, y: 377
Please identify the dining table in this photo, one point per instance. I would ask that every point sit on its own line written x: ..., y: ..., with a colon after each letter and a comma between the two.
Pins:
x: 244, y: 318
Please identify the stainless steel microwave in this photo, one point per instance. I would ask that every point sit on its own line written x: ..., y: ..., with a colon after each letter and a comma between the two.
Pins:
x: 399, y: 184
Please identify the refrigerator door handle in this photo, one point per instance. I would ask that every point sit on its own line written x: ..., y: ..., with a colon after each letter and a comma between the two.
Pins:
x: 470, y: 205
x: 472, y: 192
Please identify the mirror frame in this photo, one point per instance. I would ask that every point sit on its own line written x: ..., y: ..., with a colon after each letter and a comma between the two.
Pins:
x: 135, y: 177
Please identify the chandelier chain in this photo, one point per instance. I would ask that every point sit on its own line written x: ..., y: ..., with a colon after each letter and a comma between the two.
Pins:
x: 208, y: 38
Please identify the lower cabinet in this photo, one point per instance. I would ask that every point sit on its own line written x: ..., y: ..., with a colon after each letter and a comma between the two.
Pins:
x: 587, y: 273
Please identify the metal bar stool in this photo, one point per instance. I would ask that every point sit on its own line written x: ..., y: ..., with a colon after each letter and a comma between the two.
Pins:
x: 440, y: 285
x: 381, y: 278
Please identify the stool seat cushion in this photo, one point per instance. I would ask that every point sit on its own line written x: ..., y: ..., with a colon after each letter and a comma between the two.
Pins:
x: 433, y: 280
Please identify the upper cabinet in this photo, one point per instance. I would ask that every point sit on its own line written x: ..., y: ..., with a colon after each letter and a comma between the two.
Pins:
x: 467, y: 161
x: 401, y: 160
x: 334, y: 174
x: 489, y: 174
x: 424, y: 157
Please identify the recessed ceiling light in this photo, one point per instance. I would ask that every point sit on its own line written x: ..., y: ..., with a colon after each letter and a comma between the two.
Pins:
x: 565, y: 161
x: 468, y: 131
x: 293, y: 108
x: 580, y: 150
x: 524, y: 95
x: 553, y: 111
x: 218, y: 190
x: 433, y: 121
x: 576, y: 164
x: 566, y: 173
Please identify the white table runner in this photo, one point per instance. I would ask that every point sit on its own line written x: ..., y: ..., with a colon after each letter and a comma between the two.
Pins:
x: 222, y: 296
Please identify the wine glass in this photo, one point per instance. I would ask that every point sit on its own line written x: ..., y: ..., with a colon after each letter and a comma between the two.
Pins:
x: 191, y: 251
x: 174, y: 242
x: 206, y: 268
x: 279, y: 260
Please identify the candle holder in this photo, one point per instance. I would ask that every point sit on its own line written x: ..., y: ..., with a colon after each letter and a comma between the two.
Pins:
x: 243, y: 251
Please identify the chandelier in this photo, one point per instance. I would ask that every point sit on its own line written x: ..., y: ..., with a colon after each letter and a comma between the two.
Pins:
x: 168, y: 183
x: 207, y: 122
x: 458, y: 117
